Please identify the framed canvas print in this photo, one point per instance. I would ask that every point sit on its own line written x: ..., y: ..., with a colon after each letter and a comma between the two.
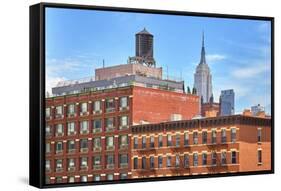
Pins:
x: 122, y: 95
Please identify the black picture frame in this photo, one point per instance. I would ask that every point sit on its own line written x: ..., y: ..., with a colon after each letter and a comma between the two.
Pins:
x: 37, y: 92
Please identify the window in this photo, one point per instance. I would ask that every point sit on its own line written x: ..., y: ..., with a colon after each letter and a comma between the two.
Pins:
x: 97, y: 160
x: 48, y: 148
x: 97, y: 143
x: 71, y: 179
x: 97, y: 107
x: 135, y: 142
x: 143, y: 142
x: 186, y: 139
x: 59, y: 179
x: 123, y: 122
x: 59, y: 147
x: 123, y: 158
x: 48, y: 112
x: 160, y: 141
x: 233, y: 135
x: 71, y: 146
x: 59, y: 130
x: 259, y: 135
x: 233, y: 157
x: 110, y: 143
x: 160, y: 162
x: 123, y: 141
x: 214, y: 136
x: 84, y: 128
x: 143, y: 162
x: 96, y: 125
x: 123, y: 102
x: 58, y: 165
x: 84, y: 145
x: 97, y: 178
x: 110, y: 105
x: 110, y: 177
x: 47, y: 165
x: 84, y: 178
x: 204, y: 137
x: 59, y: 111
x: 84, y: 162
x: 123, y: 176
x: 214, y: 158
x: 195, y: 159
x: 259, y: 156
x: 71, y: 164
x: 136, y: 163
x: 151, y: 160
x: 186, y: 160
x: 48, y: 130
x: 110, y: 161
x: 169, y: 140
x: 169, y: 161
x: 152, y: 142
x: 70, y: 128
x: 223, y: 158
x: 204, y: 159
x: 109, y: 122
x: 177, y: 160
x: 223, y: 136
x: 178, y: 139
x: 71, y: 109
x: 83, y: 108
x: 195, y: 138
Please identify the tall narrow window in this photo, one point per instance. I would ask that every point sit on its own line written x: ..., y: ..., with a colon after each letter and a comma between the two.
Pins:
x: 47, y: 165
x: 109, y: 123
x: 204, y: 159
x: 195, y: 159
x: 177, y: 164
x: 83, y: 163
x: 110, y: 161
x: 123, y: 141
x: 48, y: 130
x: 186, y: 160
x: 259, y: 157
x: 136, y: 163
x: 223, y: 157
x: 143, y: 162
x: 70, y: 110
x: 59, y: 165
x: 233, y: 135
x: 97, y: 162
x: 169, y: 161
x: 71, y: 146
x: 123, y: 122
x: 59, y: 130
x: 151, y: 159
x: 110, y: 105
x: 59, y: 111
x: 214, y: 136
x: 83, y: 108
x: 97, y: 126
x: 143, y: 142
x: 59, y: 147
x: 195, y: 138
x: 97, y: 107
x: 123, y: 161
x: 110, y: 143
x: 160, y: 161
x: 233, y: 157
x: 135, y: 143
x: 97, y: 144
x: 169, y: 140
x: 204, y: 137
x: 178, y: 139
x: 84, y: 145
x: 123, y: 103
x: 186, y: 139
x: 259, y: 135
x: 160, y: 141
x: 214, y: 158
x: 48, y: 148
x: 71, y: 164
x: 70, y: 128
x: 223, y: 136
x: 48, y: 112
x: 152, y: 142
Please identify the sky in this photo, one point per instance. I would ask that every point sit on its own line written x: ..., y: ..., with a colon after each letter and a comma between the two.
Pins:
x: 238, y: 51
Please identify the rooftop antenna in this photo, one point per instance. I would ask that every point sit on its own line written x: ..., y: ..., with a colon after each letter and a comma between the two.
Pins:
x: 103, y: 63
x: 167, y: 72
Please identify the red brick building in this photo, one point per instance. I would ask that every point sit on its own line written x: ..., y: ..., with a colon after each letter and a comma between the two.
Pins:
x: 88, y: 134
x: 201, y: 146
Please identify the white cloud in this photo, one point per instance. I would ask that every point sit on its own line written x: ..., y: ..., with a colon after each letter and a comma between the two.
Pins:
x: 211, y: 58
x: 250, y: 72
x: 52, y: 82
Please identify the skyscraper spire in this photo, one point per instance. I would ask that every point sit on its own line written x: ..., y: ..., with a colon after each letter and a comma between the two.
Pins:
x: 203, y: 56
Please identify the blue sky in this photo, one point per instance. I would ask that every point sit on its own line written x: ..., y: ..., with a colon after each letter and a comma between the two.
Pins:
x: 238, y: 51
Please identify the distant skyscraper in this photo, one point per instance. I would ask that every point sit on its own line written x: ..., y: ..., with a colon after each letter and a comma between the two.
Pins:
x: 256, y: 108
x: 203, y: 77
x: 227, y: 102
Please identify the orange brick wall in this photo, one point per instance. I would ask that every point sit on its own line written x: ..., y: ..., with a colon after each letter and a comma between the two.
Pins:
x: 155, y: 106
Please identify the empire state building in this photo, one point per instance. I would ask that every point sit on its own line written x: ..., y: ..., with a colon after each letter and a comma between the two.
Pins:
x: 203, y: 77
